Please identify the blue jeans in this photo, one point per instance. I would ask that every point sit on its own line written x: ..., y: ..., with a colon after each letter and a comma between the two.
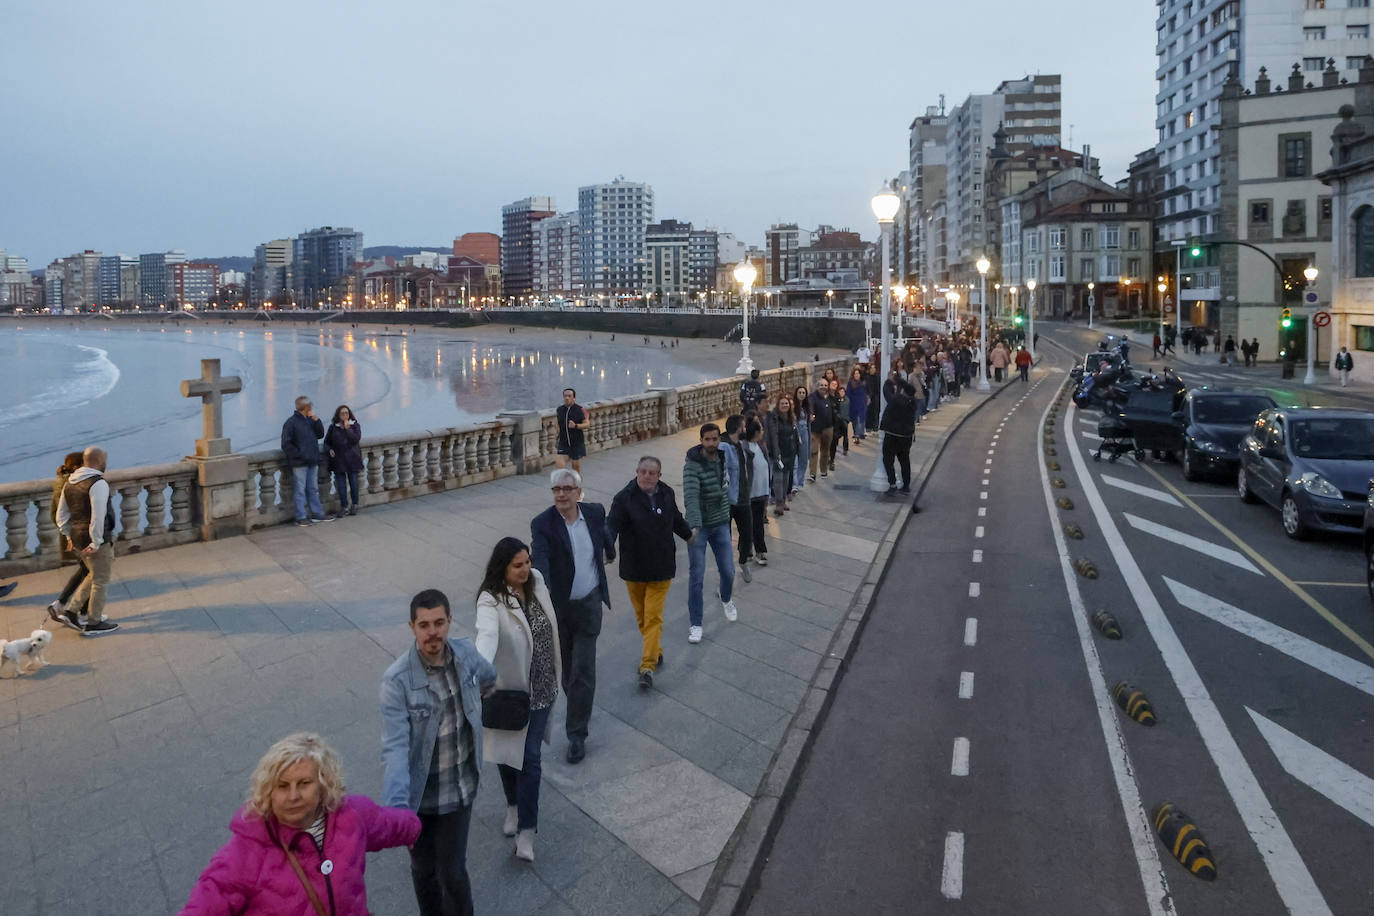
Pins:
x: 858, y: 420
x: 718, y: 536
x: 305, y: 482
x: 346, y: 485
x: 522, y: 786
x: 803, y: 456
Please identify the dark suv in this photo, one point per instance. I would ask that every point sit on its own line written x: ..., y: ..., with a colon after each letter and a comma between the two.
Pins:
x: 1313, y: 464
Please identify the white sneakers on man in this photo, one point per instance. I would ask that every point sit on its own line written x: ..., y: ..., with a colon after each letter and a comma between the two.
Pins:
x: 731, y: 612
x: 694, y: 634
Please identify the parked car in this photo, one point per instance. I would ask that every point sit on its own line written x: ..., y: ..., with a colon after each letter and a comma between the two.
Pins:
x: 1313, y: 464
x: 1212, y: 424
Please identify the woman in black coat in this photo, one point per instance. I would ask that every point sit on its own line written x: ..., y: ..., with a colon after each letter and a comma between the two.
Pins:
x: 345, y: 457
x: 644, y: 517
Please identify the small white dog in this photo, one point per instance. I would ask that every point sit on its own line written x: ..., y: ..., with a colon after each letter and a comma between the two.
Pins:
x: 25, y: 654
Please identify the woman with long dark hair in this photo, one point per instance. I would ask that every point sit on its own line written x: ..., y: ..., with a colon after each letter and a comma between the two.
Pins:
x: 517, y: 631
x: 345, y: 457
x: 799, y: 404
x: 57, y: 609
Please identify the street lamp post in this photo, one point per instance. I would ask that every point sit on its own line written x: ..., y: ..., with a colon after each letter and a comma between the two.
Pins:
x: 1091, y: 302
x: 1163, y: 338
x: 744, y: 276
x: 951, y: 296
x: 885, y: 204
x: 983, y: 266
x: 1311, y: 377
x: 900, y: 291
x: 1030, y: 311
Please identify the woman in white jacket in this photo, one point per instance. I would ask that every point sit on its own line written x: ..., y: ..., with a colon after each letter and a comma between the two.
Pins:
x: 517, y: 632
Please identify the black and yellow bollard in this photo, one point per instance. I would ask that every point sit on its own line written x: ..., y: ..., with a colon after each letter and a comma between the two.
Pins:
x: 1184, y: 841
x: 1134, y: 703
x: 1064, y: 502
x: 1073, y: 531
x: 1058, y: 483
x: 1052, y: 465
x: 1106, y: 624
x: 1086, y: 569
x: 1049, y: 452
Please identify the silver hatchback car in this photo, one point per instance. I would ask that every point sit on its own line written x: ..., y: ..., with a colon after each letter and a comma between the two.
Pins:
x: 1313, y: 464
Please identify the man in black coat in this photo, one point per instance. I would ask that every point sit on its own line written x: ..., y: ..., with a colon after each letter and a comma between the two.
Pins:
x: 644, y: 516
x: 570, y: 546
x: 899, y: 428
x: 300, y: 442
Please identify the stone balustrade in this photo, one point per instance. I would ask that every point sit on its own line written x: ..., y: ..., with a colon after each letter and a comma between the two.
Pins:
x: 160, y: 505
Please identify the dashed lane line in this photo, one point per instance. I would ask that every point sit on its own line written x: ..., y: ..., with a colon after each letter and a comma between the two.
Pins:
x: 974, y: 590
x: 958, y: 766
x: 982, y: 511
x: 978, y: 556
x: 965, y: 685
x: 1196, y: 544
x: 971, y: 631
x: 952, y: 873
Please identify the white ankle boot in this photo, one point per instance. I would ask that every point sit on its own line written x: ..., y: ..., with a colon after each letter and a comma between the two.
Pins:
x: 512, y: 820
x: 524, y: 845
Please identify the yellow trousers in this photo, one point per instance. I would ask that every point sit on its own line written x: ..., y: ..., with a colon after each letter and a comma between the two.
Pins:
x: 648, y: 599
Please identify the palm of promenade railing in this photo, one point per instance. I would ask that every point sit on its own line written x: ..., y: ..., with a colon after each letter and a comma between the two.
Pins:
x: 156, y: 505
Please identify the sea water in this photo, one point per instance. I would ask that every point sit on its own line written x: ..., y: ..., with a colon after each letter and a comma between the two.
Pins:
x: 64, y: 388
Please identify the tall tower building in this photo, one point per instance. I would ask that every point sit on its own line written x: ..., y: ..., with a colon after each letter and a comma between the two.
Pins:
x: 557, y: 266
x: 271, y: 269
x: 517, y: 242
x: 322, y: 258
x: 152, y: 271
x: 1198, y: 44
x: 614, y: 218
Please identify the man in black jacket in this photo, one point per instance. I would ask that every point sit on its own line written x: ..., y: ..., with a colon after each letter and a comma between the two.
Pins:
x: 568, y: 542
x: 644, y: 516
x: 899, y: 428
x: 300, y: 441
x: 751, y: 392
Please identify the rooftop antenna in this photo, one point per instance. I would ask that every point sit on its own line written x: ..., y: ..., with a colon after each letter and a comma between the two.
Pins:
x: 942, y: 104
x: 1070, y: 143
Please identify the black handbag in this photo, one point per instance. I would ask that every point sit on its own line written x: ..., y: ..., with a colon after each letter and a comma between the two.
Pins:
x: 506, y: 710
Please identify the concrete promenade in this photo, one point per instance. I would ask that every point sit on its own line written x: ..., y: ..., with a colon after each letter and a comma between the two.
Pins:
x: 122, y: 762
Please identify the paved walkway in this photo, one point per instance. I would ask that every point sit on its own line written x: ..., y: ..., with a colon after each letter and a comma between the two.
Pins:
x: 123, y: 761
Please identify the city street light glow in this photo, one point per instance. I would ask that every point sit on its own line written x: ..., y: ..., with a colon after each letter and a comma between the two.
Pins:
x: 885, y: 205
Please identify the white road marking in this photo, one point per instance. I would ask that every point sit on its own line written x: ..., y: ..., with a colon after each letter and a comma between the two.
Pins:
x: 1094, y: 437
x: 992, y: 451
x: 959, y: 765
x: 985, y: 481
x: 982, y: 511
x: 1292, y: 880
x: 1207, y: 548
x: 1328, y: 661
x: 978, y: 531
x: 1137, y: 489
x: 965, y: 685
x: 978, y: 556
x: 952, y: 874
x: 1086, y: 422
x: 983, y: 495
x: 974, y: 590
x: 1307, y: 763
x: 987, y: 461
x: 971, y: 631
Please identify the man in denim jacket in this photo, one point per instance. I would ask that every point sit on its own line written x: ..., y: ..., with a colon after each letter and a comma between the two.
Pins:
x: 432, y: 750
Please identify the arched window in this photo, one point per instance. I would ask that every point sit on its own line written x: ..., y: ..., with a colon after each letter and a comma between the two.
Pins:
x: 1364, y: 242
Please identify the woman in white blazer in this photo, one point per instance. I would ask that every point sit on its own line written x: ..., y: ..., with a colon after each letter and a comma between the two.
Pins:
x: 517, y: 632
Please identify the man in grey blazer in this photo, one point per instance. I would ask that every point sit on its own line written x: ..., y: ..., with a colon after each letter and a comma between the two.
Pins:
x: 431, y: 700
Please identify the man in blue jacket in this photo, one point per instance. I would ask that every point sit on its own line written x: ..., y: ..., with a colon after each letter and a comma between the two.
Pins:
x: 569, y: 545
x: 431, y: 700
x: 300, y: 441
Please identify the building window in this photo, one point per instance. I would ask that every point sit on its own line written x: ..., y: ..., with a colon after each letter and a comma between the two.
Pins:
x: 1057, y: 268
x: 1111, y: 237
x: 1314, y: 33
x: 1316, y: 4
x: 1133, y: 238
x: 1357, y: 31
x: 1364, y: 336
x: 1133, y: 267
x: 1324, y: 209
x: 1314, y: 64
x: 1112, y: 266
x: 1364, y: 242
x: 1294, y: 148
x: 1056, y: 238
x: 1354, y: 63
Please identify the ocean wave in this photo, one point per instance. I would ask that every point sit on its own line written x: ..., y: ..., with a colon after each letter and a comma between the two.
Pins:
x: 87, y: 380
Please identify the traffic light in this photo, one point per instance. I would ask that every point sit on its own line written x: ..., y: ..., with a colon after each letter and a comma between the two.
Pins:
x: 1196, y: 250
x: 1286, y: 320
x: 1019, y: 318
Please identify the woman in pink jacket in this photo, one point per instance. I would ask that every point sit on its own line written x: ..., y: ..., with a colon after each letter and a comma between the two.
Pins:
x: 299, y: 844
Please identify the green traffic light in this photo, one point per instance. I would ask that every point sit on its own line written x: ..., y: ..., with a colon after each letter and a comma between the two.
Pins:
x: 1019, y: 319
x: 1286, y: 322
x: 1196, y: 252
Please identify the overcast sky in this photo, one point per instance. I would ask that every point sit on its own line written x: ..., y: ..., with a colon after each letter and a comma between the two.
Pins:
x: 211, y: 127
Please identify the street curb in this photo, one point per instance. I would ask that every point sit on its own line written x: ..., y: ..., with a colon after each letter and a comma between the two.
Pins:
x: 736, y: 875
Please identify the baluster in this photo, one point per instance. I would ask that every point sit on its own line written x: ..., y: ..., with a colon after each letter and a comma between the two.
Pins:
x: 181, y: 501
x: 47, y: 528
x: 286, y: 484
x: 325, y: 481
x: 417, y: 463
x: 250, y: 496
x: 481, y: 449
x: 128, y: 511
x: 493, y: 449
x: 433, y: 462
x: 157, y: 508
x: 505, y: 458
x: 267, y: 489
x: 469, y: 453
x: 389, y: 480
x: 446, y: 458
x: 404, y: 476
x: 17, y: 529
x: 374, y: 470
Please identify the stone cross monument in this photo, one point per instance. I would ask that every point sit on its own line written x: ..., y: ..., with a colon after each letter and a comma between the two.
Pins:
x: 211, y: 388
x: 221, y: 511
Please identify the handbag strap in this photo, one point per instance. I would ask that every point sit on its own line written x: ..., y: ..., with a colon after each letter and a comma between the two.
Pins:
x: 300, y: 873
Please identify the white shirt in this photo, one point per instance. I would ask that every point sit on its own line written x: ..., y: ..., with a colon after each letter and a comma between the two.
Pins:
x: 584, y: 558
x: 863, y: 354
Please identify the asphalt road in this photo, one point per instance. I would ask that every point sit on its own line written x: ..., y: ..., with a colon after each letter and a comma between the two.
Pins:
x: 1256, y: 652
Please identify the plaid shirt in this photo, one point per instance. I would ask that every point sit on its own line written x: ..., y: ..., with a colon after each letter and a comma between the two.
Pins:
x: 452, y: 770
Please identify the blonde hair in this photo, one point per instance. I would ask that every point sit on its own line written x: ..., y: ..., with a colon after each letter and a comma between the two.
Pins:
x: 290, y: 750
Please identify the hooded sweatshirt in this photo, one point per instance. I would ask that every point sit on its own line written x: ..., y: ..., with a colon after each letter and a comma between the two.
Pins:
x: 101, y: 516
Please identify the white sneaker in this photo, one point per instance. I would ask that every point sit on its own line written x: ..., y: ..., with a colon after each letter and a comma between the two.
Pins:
x: 731, y: 612
x: 524, y: 845
x: 694, y: 634
x: 512, y: 820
